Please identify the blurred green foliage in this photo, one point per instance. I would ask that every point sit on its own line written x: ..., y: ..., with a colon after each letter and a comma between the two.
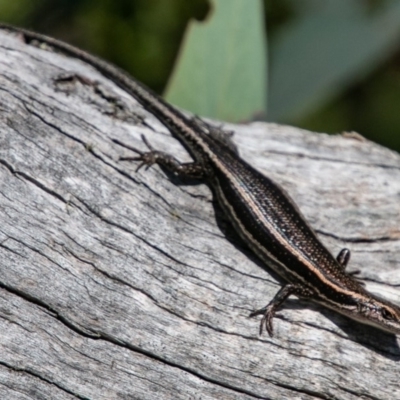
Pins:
x: 222, y: 70
x: 334, y: 64
x: 330, y: 64
x: 141, y: 36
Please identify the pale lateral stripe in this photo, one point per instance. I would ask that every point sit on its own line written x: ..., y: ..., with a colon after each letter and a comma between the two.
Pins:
x: 250, y: 201
x: 270, y: 260
x: 258, y: 248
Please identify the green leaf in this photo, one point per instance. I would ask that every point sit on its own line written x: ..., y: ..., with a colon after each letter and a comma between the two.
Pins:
x: 221, y: 71
x: 332, y: 44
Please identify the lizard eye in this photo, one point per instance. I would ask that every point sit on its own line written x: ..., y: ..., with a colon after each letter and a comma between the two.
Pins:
x: 387, y: 314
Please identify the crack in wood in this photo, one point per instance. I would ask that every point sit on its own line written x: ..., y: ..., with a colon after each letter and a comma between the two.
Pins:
x: 42, y: 378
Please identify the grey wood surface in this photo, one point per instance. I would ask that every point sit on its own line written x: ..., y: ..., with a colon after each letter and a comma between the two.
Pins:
x: 121, y: 285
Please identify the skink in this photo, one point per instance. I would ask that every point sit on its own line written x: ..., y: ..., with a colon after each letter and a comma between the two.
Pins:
x: 262, y: 213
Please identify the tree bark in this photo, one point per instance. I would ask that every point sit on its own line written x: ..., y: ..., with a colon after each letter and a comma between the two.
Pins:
x: 116, y: 284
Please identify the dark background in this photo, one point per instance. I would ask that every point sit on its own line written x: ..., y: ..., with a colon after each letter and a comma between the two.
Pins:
x: 143, y: 37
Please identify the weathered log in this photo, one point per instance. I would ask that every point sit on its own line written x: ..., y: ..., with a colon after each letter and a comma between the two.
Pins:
x: 117, y: 285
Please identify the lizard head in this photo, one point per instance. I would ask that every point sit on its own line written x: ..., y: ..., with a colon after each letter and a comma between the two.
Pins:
x: 379, y: 313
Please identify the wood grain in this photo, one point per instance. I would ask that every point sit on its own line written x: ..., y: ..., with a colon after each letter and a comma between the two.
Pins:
x: 117, y: 285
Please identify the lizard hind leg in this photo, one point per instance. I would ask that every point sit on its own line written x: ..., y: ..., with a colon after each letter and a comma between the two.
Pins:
x: 193, y: 170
